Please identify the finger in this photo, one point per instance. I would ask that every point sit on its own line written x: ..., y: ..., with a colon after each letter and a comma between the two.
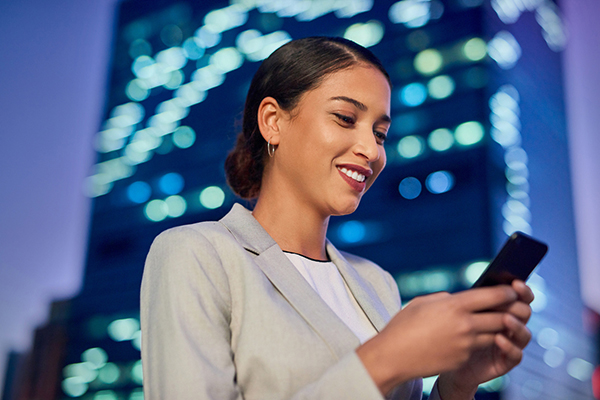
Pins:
x: 511, y: 352
x: 519, y: 309
x: 488, y: 322
x: 525, y: 293
x: 486, y: 298
x: 484, y: 340
x: 517, y: 332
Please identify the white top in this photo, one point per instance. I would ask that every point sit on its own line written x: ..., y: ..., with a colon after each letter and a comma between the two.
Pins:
x: 326, y: 280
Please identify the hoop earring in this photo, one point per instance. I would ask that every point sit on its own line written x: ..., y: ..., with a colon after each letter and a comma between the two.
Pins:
x: 270, y: 148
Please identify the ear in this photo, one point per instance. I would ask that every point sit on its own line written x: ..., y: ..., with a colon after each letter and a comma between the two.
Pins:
x: 269, y: 114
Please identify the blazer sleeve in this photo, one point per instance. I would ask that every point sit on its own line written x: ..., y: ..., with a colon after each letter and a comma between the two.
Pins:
x: 185, y: 313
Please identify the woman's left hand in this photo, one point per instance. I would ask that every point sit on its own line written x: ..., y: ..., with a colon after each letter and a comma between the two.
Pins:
x: 498, y: 359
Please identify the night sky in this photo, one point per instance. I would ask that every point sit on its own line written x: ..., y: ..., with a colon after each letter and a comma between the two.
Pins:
x: 55, y: 57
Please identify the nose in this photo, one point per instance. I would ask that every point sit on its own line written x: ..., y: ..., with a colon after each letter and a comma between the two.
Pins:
x: 367, y: 146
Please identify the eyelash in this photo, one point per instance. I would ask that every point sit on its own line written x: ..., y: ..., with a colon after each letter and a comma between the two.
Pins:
x: 350, y: 121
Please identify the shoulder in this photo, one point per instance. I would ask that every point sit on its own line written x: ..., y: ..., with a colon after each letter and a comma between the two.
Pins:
x: 193, y: 237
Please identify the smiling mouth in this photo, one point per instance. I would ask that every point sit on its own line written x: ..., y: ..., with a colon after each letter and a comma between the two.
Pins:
x: 353, y: 174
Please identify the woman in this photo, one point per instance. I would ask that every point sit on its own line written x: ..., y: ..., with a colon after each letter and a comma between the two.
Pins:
x: 260, y: 305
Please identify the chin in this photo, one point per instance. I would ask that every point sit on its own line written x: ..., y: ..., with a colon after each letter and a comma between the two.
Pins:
x: 345, y: 208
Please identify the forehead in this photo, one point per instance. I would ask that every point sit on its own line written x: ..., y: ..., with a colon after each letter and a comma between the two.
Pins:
x: 363, y: 83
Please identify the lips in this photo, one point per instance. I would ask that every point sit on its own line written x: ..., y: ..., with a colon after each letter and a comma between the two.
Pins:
x: 355, y: 176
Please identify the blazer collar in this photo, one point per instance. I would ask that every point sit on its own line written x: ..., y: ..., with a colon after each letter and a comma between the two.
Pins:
x: 292, y: 285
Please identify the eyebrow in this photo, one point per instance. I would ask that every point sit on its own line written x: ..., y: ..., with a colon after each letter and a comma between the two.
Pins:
x: 359, y: 105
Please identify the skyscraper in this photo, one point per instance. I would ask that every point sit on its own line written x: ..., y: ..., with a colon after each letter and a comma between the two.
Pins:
x: 477, y: 150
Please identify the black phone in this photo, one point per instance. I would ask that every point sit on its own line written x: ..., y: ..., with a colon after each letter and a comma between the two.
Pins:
x: 516, y: 260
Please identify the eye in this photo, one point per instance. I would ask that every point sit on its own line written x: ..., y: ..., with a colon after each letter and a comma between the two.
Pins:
x: 381, y: 136
x: 345, y: 119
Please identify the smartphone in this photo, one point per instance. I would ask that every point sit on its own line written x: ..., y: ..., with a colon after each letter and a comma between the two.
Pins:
x: 516, y: 260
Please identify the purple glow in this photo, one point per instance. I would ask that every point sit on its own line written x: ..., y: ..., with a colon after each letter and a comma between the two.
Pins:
x: 582, y: 86
x: 53, y: 80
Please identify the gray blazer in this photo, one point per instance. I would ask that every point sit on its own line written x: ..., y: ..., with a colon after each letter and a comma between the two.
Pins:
x: 225, y: 315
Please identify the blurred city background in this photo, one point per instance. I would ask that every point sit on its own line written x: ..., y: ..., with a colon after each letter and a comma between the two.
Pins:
x: 117, y: 117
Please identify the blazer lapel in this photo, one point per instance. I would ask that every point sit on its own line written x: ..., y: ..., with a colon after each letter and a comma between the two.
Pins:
x: 290, y: 283
x: 363, y: 291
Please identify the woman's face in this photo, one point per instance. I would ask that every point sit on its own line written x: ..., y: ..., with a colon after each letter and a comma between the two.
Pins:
x: 331, y: 145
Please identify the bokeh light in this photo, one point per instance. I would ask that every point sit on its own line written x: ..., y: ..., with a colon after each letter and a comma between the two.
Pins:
x: 156, y: 210
x: 411, y: 146
x: 176, y: 205
x: 410, y: 188
x: 439, y: 182
x: 504, y: 49
x: 411, y: 13
x: 474, y: 49
x: 171, y: 183
x: 440, y: 139
x: 212, y: 197
x: 109, y: 373
x: 184, y: 137
x: 123, y: 329
x: 74, y: 386
x: 352, y: 231
x: 367, y: 34
x: 441, y: 87
x: 413, y: 94
x: 429, y: 62
x: 469, y: 133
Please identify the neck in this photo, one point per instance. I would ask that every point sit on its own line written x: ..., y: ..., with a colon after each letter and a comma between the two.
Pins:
x: 295, y: 226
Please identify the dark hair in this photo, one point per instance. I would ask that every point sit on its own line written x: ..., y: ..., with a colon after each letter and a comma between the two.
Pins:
x: 286, y: 75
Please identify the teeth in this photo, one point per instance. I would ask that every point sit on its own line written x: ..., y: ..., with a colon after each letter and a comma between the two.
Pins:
x: 353, y: 174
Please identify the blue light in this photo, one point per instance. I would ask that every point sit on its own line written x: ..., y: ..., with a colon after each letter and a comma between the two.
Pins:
x: 193, y: 48
x: 139, y: 192
x: 212, y: 197
x: 410, y: 188
x: 208, y: 37
x: 439, y: 182
x: 413, y: 94
x: 352, y: 231
x: 411, y: 13
x: 171, y: 183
